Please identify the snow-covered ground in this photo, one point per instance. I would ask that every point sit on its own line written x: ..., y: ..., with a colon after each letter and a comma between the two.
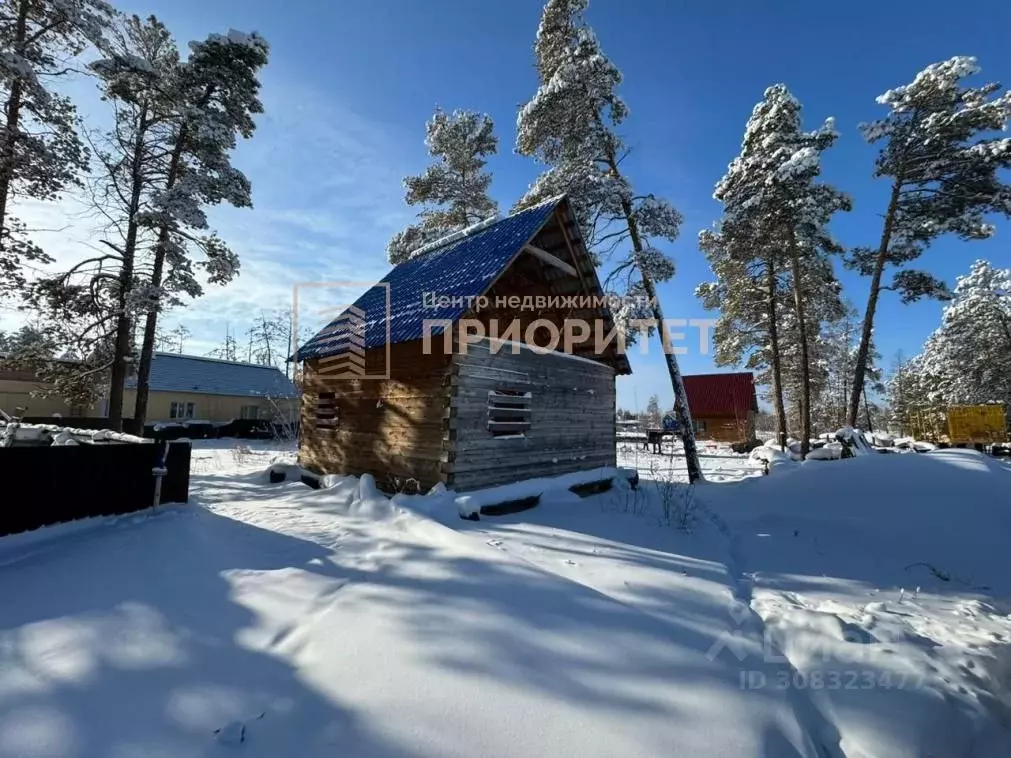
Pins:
x: 845, y: 608
x: 719, y: 462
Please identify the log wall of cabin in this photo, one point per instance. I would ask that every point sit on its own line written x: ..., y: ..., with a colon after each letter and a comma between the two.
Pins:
x: 390, y: 428
x: 571, y: 417
x: 726, y: 428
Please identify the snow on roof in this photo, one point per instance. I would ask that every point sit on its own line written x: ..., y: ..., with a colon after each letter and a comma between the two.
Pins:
x: 172, y: 372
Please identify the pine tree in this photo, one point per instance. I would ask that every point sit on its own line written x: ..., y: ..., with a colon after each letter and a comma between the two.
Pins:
x: 165, y: 159
x: 213, y: 97
x: 61, y: 373
x: 774, y: 209
x: 570, y: 126
x: 969, y: 356
x: 900, y: 394
x: 749, y: 295
x: 455, y: 187
x: 653, y: 411
x: 100, y: 295
x: 41, y: 153
x: 944, y: 179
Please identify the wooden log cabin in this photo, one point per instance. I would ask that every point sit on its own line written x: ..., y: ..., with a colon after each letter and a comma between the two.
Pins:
x: 486, y: 399
x: 723, y: 406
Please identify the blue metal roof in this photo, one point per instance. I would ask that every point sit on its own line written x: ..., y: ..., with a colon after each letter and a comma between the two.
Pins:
x: 171, y: 372
x: 460, y: 269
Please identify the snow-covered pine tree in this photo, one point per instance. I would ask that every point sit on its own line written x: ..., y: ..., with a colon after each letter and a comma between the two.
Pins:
x: 944, y: 179
x: 653, y: 412
x: 454, y: 189
x: 570, y: 125
x: 900, y: 394
x: 773, y: 203
x: 36, y: 347
x: 165, y: 159
x: 211, y: 98
x: 969, y: 355
x: 749, y: 295
x: 40, y: 151
x: 99, y: 297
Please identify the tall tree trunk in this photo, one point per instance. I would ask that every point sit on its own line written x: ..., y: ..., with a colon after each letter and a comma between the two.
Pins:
x: 777, y: 369
x: 117, y: 379
x: 681, y: 409
x: 151, y: 320
x: 147, y: 349
x: 867, y: 411
x: 872, y: 305
x: 805, y: 365
x: 12, y: 112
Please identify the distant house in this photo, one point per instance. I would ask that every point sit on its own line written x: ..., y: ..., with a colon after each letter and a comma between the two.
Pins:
x: 723, y: 406
x: 20, y: 396
x: 208, y: 389
x: 377, y: 399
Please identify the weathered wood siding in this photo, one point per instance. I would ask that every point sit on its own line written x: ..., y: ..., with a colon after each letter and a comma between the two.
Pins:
x: 390, y: 428
x: 571, y: 417
x: 528, y: 279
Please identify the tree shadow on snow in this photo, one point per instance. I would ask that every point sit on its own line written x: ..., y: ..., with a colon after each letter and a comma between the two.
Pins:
x: 129, y: 640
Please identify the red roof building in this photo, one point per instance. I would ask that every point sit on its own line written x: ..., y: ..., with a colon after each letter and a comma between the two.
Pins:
x: 723, y: 406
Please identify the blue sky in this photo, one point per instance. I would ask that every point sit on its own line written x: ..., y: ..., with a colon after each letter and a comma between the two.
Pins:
x: 350, y: 86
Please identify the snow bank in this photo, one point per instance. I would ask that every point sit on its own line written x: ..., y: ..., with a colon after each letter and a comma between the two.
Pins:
x: 881, y: 439
x: 870, y: 579
x: 39, y: 432
x: 853, y: 441
x: 469, y: 505
x: 830, y: 452
x: 772, y: 457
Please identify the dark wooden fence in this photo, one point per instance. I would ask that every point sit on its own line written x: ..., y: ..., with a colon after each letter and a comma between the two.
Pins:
x: 241, y: 428
x: 82, y: 422
x: 49, y: 485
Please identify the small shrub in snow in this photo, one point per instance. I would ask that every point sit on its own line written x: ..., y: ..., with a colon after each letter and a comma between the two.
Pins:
x: 241, y: 454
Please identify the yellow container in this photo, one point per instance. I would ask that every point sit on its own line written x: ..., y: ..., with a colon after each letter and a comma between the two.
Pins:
x: 976, y: 423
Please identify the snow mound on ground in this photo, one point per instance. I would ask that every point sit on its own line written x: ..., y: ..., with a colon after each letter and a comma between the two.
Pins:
x: 947, y: 508
x: 854, y: 441
x: 557, y: 487
x: 870, y: 578
x: 370, y: 502
x: 830, y: 452
x: 775, y: 459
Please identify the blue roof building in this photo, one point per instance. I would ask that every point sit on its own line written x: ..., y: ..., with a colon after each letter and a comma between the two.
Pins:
x: 439, y: 284
x: 173, y: 372
x: 462, y: 366
x: 192, y: 387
